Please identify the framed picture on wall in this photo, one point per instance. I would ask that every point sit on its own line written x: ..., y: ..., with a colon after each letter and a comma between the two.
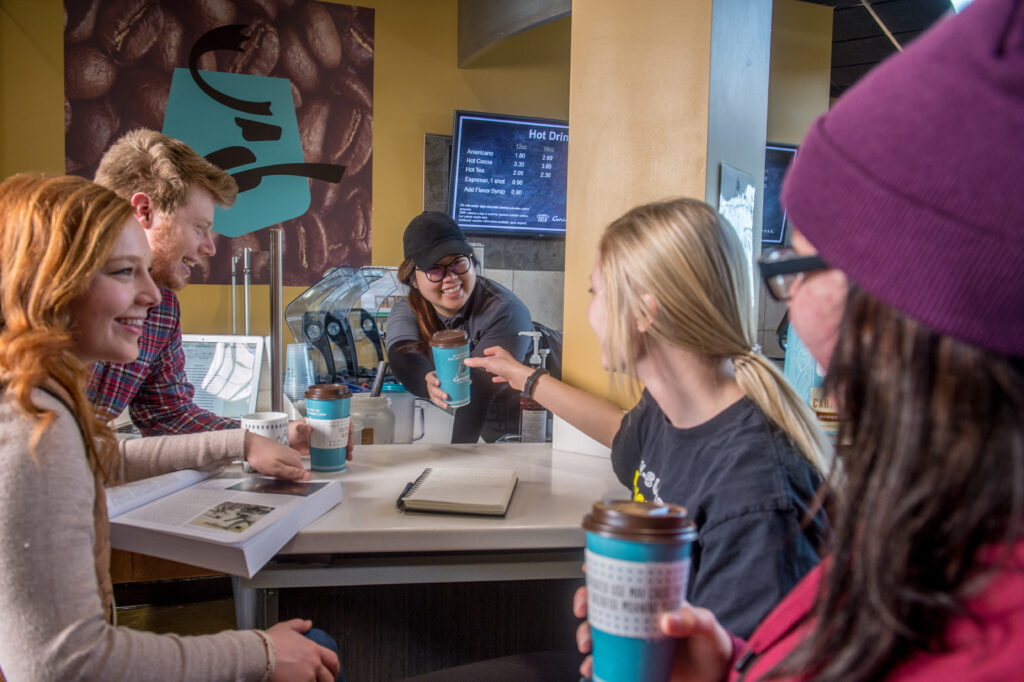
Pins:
x: 777, y: 158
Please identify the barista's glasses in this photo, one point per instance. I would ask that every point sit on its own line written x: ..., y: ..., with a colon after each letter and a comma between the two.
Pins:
x: 782, y: 268
x: 436, y: 273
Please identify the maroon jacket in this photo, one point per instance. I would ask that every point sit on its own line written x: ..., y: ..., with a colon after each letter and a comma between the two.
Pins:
x: 989, y: 648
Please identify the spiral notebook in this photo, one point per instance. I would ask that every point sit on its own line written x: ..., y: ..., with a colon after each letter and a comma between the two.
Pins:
x: 460, y: 490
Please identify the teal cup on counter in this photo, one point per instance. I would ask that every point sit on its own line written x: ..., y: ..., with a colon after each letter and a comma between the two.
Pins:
x: 638, y: 566
x: 327, y: 411
x: 450, y: 348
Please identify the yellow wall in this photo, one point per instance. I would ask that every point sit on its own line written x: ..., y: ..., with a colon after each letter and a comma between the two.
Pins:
x: 417, y: 85
x: 798, y: 86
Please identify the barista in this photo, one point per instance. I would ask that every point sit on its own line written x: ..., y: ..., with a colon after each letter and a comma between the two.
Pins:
x: 445, y: 292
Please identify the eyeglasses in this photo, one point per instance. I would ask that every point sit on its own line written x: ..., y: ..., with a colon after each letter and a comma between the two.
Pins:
x: 782, y: 268
x: 459, y: 266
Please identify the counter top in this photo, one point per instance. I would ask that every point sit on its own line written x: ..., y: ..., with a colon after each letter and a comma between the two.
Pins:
x: 556, y: 488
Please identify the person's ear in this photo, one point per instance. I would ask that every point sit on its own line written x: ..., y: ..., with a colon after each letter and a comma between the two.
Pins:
x: 648, y: 311
x: 144, y: 209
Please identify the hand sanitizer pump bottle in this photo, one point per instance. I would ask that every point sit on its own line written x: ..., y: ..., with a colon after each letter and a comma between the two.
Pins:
x: 533, y: 418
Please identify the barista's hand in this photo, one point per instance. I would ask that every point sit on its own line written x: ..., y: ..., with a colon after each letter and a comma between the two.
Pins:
x: 298, y: 436
x: 275, y: 459
x: 702, y: 654
x: 434, y: 392
x: 503, y: 366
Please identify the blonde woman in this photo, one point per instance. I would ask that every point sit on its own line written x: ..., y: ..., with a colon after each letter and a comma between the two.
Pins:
x: 75, y: 288
x: 716, y: 429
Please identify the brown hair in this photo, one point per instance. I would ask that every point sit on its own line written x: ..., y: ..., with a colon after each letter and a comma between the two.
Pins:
x: 55, y: 234
x: 932, y: 446
x: 685, y: 255
x: 164, y: 168
x: 426, y: 318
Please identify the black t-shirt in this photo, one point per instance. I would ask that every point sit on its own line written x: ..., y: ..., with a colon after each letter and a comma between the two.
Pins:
x: 747, y: 488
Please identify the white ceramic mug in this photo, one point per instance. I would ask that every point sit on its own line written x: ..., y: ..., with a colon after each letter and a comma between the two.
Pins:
x: 273, y: 425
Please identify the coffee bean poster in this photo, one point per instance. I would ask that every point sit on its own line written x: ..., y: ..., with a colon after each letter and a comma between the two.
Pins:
x: 277, y: 92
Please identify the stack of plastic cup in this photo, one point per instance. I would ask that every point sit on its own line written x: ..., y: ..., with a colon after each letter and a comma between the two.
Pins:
x: 296, y: 372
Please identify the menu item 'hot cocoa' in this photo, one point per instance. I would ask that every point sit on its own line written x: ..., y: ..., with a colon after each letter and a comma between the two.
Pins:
x: 638, y: 566
x: 120, y: 57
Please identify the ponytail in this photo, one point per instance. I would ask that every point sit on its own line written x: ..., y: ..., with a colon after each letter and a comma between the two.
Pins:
x: 765, y: 386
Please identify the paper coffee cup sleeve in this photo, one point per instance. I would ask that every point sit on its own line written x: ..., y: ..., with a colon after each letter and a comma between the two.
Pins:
x: 625, y: 598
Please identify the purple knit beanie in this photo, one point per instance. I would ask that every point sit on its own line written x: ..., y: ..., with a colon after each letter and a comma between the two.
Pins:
x: 913, y: 183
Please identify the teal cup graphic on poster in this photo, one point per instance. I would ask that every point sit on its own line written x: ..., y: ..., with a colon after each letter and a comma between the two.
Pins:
x: 638, y: 566
x: 327, y: 411
x: 451, y: 347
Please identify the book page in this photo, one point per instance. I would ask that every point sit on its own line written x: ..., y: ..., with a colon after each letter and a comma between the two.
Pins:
x: 227, y: 509
x: 124, y: 498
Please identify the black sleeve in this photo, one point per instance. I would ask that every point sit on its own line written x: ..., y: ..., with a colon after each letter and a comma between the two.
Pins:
x: 410, y: 366
x: 628, y: 443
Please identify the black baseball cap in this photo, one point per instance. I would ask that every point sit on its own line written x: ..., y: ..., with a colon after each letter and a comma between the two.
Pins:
x: 431, y: 236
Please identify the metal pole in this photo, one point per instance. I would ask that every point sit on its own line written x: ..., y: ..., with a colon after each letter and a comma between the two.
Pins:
x: 234, y: 296
x: 247, y: 278
x: 276, y: 319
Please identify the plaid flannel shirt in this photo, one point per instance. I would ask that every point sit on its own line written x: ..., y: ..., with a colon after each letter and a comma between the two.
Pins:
x: 154, y: 387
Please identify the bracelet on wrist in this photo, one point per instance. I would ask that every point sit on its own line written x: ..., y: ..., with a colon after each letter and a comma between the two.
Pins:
x: 531, y: 381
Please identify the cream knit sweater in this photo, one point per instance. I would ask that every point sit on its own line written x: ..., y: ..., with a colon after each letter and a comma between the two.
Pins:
x: 52, y: 621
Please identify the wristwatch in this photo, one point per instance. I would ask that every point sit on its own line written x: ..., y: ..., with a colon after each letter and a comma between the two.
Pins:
x: 531, y: 381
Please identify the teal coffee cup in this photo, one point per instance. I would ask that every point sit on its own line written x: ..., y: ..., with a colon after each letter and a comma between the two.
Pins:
x: 638, y: 566
x: 451, y: 347
x: 327, y: 411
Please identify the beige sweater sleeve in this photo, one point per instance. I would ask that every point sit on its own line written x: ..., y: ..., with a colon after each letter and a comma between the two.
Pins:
x: 53, y: 624
x: 154, y: 455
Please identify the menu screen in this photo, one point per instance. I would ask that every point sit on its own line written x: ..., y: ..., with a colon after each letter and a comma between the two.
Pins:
x: 508, y: 174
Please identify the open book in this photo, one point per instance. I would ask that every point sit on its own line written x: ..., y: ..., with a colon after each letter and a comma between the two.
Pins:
x: 460, y: 490
x: 233, y: 523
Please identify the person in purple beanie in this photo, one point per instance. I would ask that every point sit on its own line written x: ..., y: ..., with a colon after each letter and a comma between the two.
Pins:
x: 907, y: 283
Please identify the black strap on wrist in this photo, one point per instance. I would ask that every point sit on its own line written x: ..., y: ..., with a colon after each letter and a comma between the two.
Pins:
x: 531, y: 382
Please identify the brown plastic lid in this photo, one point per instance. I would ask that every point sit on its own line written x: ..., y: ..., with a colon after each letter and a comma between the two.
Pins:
x: 449, y: 338
x: 640, y: 521
x: 327, y: 392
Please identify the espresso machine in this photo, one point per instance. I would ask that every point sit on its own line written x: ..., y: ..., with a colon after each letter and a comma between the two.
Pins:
x: 342, y: 319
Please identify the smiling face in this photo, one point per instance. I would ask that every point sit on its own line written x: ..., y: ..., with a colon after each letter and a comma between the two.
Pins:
x: 451, y: 293
x: 816, y: 304
x: 107, y: 318
x: 178, y: 241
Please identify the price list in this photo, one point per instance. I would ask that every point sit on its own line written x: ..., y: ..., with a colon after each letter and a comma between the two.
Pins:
x: 510, y: 175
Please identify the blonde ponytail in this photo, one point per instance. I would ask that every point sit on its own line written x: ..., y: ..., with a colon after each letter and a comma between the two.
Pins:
x: 765, y: 386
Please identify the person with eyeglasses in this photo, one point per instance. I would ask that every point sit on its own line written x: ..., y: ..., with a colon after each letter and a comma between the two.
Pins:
x: 445, y: 292
x: 907, y: 284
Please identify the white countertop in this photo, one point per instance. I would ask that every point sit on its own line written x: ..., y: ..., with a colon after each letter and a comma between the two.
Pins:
x: 556, y: 488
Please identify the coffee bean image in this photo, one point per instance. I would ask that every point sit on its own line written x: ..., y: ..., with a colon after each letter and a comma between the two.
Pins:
x: 151, y: 89
x: 264, y: 8
x: 202, y: 15
x: 129, y: 28
x: 88, y: 73
x: 260, y: 52
x: 313, y: 128
x: 169, y: 50
x: 80, y: 20
x: 322, y: 35
x: 357, y: 45
x: 298, y: 63
x: 92, y: 128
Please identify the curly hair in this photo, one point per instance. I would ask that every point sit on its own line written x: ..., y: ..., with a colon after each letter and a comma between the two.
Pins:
x: 164, y: 168
x: 55, y: 234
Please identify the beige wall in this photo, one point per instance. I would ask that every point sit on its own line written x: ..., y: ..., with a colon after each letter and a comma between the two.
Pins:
x: 798, y: 86
x: 417, y: 85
